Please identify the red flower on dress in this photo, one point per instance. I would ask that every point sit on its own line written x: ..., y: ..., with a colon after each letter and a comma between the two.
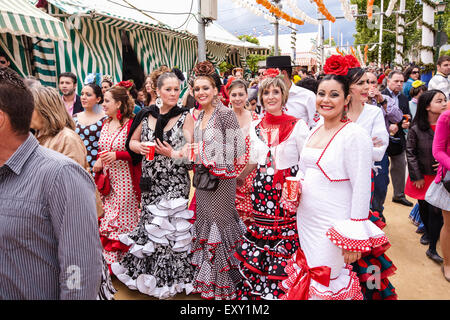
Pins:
x: 352, y: 61
x: 336, y: 64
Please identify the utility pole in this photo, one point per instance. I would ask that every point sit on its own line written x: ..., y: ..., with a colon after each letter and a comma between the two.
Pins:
x: 381, y: 34
x: 400, y: 36
x: 276, y: 24
x: 201, y: 35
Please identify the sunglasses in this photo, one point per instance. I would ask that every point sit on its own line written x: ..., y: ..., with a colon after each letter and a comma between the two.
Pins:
x: 414, y: 72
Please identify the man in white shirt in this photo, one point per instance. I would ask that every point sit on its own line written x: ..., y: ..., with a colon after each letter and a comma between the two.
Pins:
x: 301, y: 102
x: 441, y: 80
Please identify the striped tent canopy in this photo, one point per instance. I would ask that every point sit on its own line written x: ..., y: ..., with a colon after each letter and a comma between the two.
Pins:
x: 20, y: 17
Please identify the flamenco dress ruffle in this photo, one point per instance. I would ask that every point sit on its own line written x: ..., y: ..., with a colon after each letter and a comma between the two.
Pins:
x: 375, y: 265
x: 157, y: 262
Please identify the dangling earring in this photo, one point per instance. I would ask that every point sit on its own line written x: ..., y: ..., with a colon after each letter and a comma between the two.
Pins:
x: 344, y: 117
x: 215, y: 101
x: 180, y: 103
x: 316, y: 117
x: 119, y: 115
x: 158, y: 102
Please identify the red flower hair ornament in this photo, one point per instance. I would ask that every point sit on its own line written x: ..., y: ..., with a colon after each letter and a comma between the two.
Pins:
x: 126, y: 84
x: 271, y: 73
x: 352, y: 61
x: 336, y: 64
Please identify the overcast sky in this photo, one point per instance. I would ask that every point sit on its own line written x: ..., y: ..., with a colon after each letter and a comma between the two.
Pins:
x: 239, y: 20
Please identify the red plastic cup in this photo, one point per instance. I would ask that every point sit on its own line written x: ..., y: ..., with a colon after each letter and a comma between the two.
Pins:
x: 191, y: 153
x: 292, y: 187
x: 151, y: 153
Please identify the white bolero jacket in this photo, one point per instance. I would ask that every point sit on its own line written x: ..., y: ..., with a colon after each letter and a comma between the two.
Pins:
x: 286, y: 154
x: 348, y: 157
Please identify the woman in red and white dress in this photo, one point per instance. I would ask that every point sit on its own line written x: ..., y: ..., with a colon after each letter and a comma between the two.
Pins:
x: 335, y: 168
x: 121, y: 205
x: 237, y: 91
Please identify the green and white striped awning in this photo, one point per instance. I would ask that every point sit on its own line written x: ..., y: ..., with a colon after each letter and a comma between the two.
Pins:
x: 19, y: 17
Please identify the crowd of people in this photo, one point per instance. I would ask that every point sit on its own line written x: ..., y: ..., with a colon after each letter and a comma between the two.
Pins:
x: 195, y: 192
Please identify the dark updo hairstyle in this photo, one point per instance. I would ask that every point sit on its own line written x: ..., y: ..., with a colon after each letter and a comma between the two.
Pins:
x: 206, y: 69
x: 421, y: 117
x: 343, y: 81
x: 97, y: 90
x: 238, y: 83
x: 355, y: 74
x: 126, y: 108
x: 415, y: 91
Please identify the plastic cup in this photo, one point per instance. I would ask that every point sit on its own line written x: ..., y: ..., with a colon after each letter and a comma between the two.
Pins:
x: 292, y: 187
x: 191, y: 153
x: 151, y: 153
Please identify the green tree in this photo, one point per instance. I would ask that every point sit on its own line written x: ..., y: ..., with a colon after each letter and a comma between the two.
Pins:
x: 327, y: 42
x: 252, y: 61
x: 368, y: 33
x: 248, y: 38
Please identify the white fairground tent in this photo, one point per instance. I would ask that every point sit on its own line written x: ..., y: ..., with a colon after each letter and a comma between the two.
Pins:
x: 97, y: 28
x: 20, y: 22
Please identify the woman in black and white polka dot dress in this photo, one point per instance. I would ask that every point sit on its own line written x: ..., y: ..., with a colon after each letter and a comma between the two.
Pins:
x: 218, y: 227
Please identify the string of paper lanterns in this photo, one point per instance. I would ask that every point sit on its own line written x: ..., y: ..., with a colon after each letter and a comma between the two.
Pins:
x: 324, y: 10
x: 299, y: 13
x: 370, y: 9
x: 277, y: 12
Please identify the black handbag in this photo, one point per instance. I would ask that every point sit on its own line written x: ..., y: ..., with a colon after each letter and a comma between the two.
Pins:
x: 204, y: 180
x: 395, y: 146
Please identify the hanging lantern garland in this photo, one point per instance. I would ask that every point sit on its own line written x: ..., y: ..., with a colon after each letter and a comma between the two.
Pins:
x: 370, y: 9
x: 337, y: 50
x: 324, y: 10
x: 346, y: 8
x: 353, y: 52
x: 366, y: 49
x: 301, y: 14
x: 278, y: 13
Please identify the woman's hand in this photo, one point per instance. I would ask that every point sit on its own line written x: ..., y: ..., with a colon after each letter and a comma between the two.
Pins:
x: 109, y: 157
x: 377, y: 143
x: 435, y: 166
x: 98, y: 165
x: 419, y: 183
x: 240, y: 181
x: 163, y: 148
x: 142, y: 148
x: 350, y: 256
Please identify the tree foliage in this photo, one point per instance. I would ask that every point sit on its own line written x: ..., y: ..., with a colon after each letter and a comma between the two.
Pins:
x: 368, y: 33
x: 248, y: 38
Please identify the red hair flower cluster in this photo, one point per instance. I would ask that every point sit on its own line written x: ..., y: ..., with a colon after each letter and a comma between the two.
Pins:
x: 271, y: 73
x: 352, y: 61
x: 336, y: 64
x: 126, y: 84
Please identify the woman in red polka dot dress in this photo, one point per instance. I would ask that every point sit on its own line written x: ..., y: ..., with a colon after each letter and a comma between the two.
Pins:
x: 276, y: 143
x: 238, y: 98
x: 121, y: 205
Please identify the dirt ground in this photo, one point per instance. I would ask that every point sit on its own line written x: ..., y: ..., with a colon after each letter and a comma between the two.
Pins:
x: 416, y: 278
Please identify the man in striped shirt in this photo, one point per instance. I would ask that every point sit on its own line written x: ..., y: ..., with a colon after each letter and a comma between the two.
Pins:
x: 49, y: 243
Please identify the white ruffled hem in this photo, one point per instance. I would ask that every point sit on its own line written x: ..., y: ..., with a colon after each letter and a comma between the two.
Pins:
x: 146, y: 284
x: 169, y: 226
x: 344, y: 287
x: 357, y: 235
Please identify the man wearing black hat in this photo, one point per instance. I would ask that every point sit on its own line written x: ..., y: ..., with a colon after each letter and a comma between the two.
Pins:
x: 301, y: 102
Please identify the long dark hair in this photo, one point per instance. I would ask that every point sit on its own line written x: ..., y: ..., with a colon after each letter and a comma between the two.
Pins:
x: 354, y: 74
x: 421, y: 117
x: 97, y: 91
x: 408, y: 72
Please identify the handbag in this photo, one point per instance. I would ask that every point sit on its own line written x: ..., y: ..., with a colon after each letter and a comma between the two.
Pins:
x: 446, y: 183
x: 204, y: 180
x: 102, y: 178
x: 103, y: 183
